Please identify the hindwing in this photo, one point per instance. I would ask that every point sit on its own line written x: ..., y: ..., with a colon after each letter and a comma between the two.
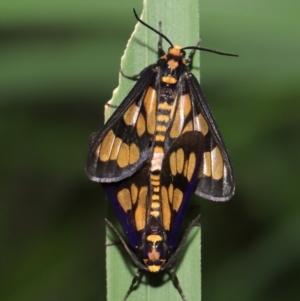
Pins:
x: 131, y: 197
x: 179, y: 175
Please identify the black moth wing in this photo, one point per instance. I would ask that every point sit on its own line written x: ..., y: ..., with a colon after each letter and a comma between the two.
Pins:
x: 216, y: 180
x: 179, y: 176
x: 122, y: 146
x: 129, y: 199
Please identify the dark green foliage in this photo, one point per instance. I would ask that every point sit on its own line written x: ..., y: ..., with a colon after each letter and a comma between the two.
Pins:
x: 59, y: 64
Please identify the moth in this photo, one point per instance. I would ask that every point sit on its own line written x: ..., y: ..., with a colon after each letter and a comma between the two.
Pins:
x: 159, y: 147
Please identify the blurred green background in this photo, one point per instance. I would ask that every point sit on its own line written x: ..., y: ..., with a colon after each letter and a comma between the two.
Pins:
x: 59, y: 62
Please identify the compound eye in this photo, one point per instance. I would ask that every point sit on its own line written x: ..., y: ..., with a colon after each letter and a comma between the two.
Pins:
x: 182, y: 53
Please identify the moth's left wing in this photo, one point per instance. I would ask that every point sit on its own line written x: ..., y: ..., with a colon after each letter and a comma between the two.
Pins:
x: 124, y: 143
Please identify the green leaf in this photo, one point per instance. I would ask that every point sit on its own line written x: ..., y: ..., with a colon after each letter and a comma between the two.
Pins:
x: 180, y: 23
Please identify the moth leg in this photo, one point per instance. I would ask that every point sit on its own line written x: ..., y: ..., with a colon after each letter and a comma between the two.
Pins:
x: 134, y: 77
x: 135, y: 279
x: 133, y: 257
x: 174, y: 256
x: 161, y: 52
x: 176, y: 283
x: 110, y: 105
x: 113, y: 243
x: 192, y: 53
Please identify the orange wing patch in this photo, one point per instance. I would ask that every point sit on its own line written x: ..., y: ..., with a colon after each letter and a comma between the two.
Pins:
x: 150, y: 103
x: 166, y: 199
x: 200, y: 124
x: 217, y: 164
x: 104, y: 150
x: 213, y: 165
x: 141, y: 125
x: 112, y: 148
x: 141, y: 210
x: 183, y: 108
x: 130, y: 116
x: 124, y: 199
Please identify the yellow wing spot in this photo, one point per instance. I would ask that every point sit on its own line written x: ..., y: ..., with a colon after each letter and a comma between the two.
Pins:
x: 124, y: 199
x: 154, y: 238
x: 115, y: 149
x: 134, y: 193
x: 166, y: 211
x: 170, y: 192
x: 141, y: 125
x: 177, y: 124
x: 131, y: 114
x: 140, y: 211
x: 177, y: 199
x: 182, y: 109
x: 150, y: 108
x: 188, y: 127
x: 180, y: 160
x: 164, y: 194
x: 201, y: 124
x: 173, y: 107
x: 217, y: 164
x: 186, y: 103
x: 123, y: 157
x: 173, y: 164
x: 185, y: 169
x: 106, y: 146
x: 134, y: 153
x: 191, y: 166
x: 206, y: 164
x: 143, y: 194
